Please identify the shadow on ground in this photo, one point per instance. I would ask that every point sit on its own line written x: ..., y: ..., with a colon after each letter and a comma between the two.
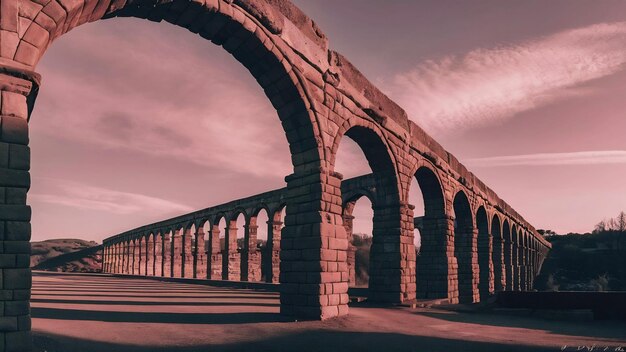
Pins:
x: 313, y: 341
x: 156, y: 317
x: 598, y: 329
x: 157, y: 303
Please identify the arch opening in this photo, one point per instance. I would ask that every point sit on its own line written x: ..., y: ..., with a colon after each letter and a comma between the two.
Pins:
x: 253, y: 47
x: 358, y: 221
x: 485, y: 251
x: 387, y: 248
x: 498, y: 254
x: 426, y: 195
x: 465, y: 243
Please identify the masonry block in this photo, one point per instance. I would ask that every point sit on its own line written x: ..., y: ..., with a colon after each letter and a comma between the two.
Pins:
x: 19, y: 341
x: 17, y: 278
x: 14, y: 130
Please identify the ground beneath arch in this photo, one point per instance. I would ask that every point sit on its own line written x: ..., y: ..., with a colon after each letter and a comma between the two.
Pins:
x: 87, y: 312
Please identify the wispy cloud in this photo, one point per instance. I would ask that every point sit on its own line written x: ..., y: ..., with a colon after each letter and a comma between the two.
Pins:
x: 81, y: 196
x: 543, y: 159
x: 486, y: 86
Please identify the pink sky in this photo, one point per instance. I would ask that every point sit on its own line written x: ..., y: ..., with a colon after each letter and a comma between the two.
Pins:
x: 138, y: 121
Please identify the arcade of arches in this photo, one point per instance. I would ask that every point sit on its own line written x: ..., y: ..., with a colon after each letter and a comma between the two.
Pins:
x: 473, y: 243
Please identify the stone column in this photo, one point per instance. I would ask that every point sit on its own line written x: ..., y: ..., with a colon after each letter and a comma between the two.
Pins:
x: 214, y: 269
x: 408, y: 254
x: 111, y: 265
x: 231, y: 265
x: 534, y: 264
x: 187, y: 259
x: 131, y: 257
x: 348, y: 222
x: 523, y: 279
x: 437, y: 275
x: 158, y: 254
x: 199, y: 263
x: 529, y: 270
x: 111, y: 261
x: 105, y: 258
x: 498, y: 264
x: 274, y: 229
x: 105, y: 250
x: 137, y: 256
x: 250, y: 256
x: 109, y: 257
x: 177, y: 253
x: 120, y: 259
x: 491, y: 267
x: 126, y: 257
x: 167, y: 255
x: 123, y: 257
x: 150, y: 255
x: 18, y: 89
x: 485, y: 253
x: 468, y: 268
x: 515, y: 261
x: 508, y: 263
x: 139, y: 249
x: 313, y: 248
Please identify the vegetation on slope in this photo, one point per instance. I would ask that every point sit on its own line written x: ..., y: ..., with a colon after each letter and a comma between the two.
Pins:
x: 71, y: 255
x: 594, y: 261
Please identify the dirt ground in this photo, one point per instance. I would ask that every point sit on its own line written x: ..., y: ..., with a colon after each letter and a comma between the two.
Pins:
x: 87, y: 312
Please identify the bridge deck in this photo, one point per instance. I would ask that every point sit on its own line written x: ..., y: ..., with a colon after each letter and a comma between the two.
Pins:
x: 78, y: 312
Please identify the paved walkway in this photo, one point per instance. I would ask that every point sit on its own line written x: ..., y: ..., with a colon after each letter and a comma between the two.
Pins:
x: 79, y: 312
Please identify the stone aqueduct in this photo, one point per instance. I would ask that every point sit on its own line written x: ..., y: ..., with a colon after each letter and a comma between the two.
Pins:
x: 498, y: 257
x: 472, y: 241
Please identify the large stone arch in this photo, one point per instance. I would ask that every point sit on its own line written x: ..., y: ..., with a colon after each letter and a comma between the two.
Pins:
x: 261, y: 38
x: 251, y: 40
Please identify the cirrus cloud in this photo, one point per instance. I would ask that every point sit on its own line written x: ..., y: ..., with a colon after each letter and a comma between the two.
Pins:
x: 487, y: 86
x: 553, y: 159
x: 82, y: 196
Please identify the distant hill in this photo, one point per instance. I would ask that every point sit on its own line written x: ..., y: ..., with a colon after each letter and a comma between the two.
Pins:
x: 70, y: 255
x: 584, y: 262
